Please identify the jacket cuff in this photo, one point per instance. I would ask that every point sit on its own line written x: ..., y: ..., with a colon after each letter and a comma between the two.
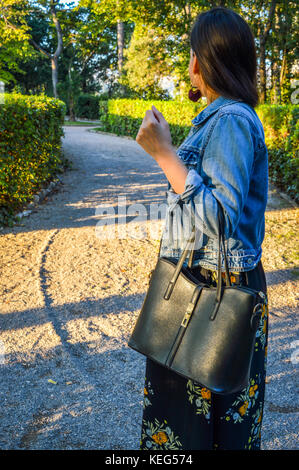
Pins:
x: 192, y: 183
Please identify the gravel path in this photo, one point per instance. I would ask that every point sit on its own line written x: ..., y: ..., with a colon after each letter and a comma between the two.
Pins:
x: 69, y: 299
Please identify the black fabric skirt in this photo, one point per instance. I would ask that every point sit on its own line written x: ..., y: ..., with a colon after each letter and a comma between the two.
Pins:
x: 180, y: 414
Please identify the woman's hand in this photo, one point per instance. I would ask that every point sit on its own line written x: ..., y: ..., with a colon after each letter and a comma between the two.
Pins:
x: 154, y: 135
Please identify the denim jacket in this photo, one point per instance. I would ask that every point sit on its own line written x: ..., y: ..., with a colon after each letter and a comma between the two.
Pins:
x: 227, y: 162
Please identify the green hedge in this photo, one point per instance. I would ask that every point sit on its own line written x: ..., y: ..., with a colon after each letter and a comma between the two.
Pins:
x: 30, y: 147
x: 281, y: 125
x: 124, y: 117
x: 87, y: 106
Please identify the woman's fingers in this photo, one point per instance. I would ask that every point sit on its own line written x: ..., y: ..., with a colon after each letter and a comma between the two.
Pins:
x: 156, y: 113
x: 159, y: 116
x: 154, y: 134
x: 150, y: 117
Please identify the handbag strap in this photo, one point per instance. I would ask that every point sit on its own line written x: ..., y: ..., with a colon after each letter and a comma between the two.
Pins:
x: 190, y: 250
x: 221, y: 239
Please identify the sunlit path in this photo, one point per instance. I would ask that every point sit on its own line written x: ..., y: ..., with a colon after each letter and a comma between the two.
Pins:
x: 69, y: 300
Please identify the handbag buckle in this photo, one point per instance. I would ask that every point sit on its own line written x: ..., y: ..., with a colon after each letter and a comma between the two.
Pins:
x: 188, y: 314
x: 191, y: 305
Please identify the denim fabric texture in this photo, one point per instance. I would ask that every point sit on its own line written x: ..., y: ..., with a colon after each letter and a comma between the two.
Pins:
x: 227, y: 161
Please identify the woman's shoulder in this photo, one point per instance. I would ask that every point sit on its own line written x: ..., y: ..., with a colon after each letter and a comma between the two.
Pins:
x: 240, y: 109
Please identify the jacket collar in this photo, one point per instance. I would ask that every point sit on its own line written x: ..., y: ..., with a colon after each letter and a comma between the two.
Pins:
x: 211, y: 109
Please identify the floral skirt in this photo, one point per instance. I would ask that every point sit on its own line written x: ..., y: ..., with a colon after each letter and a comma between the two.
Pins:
x: 180, y: 414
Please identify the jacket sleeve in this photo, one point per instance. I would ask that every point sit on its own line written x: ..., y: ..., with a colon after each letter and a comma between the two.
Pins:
x: 225, y: 176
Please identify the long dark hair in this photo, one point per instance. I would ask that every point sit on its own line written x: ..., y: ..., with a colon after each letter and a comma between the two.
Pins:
x: 225, y: 49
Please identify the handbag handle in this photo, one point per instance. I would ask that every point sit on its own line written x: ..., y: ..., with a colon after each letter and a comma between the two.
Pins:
x: 219, y: 278
x: 187, y: 249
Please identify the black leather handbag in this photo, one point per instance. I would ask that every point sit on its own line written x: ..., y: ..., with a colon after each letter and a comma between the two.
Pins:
x: 201, y: 332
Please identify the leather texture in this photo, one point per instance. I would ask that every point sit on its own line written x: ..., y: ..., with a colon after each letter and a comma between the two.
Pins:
x: 201, y: 332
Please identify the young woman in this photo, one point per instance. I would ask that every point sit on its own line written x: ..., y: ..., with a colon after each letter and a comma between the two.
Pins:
x: 223, y: 161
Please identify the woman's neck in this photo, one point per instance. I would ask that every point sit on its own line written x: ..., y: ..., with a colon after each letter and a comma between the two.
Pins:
x: 211, y: 97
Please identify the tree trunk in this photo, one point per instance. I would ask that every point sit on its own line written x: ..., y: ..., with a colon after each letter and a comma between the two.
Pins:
x: 262, y: 70
x: 277, y: 63
x: 71, y: 108
x: 70, y: 93
x: 54, y: 66
x: 276, y: 76
x: 53, y: 57
x: 285, y: 70
x: 263, y: 36
x: 120, y: 45
x: 284, y: 79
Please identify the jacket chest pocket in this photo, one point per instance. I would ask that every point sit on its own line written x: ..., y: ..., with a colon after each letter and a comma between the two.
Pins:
x: 190, y: 155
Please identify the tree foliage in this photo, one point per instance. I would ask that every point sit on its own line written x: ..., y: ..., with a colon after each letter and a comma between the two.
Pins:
x: 128, y: 46
x: 14, y: 37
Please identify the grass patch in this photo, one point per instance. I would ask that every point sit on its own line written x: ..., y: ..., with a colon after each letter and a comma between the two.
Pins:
x: 80, y: 123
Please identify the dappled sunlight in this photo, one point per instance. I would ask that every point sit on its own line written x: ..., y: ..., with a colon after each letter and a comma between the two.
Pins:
x: 26, y: 341
x: 70, y: 299
x: 83, y: 207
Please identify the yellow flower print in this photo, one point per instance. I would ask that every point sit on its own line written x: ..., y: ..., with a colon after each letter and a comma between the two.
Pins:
x: 200, y: 397
x: 245, y: 402
x: 145, y: 391
x: 205, y: 393
x: 265, y: 326
x: 160, y: 438
x: 263, y: 310
x: 252, y: 390
x: 243, y: 408
x: 157, y: 436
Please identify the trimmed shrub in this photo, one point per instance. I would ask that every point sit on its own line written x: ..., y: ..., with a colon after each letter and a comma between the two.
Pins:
x: 30, y: 147
x: 281, y: 125
x: 124, y: 117
x: 87, y: 106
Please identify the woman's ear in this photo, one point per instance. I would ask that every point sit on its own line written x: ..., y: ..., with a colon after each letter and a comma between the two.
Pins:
x: 195, y: 65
